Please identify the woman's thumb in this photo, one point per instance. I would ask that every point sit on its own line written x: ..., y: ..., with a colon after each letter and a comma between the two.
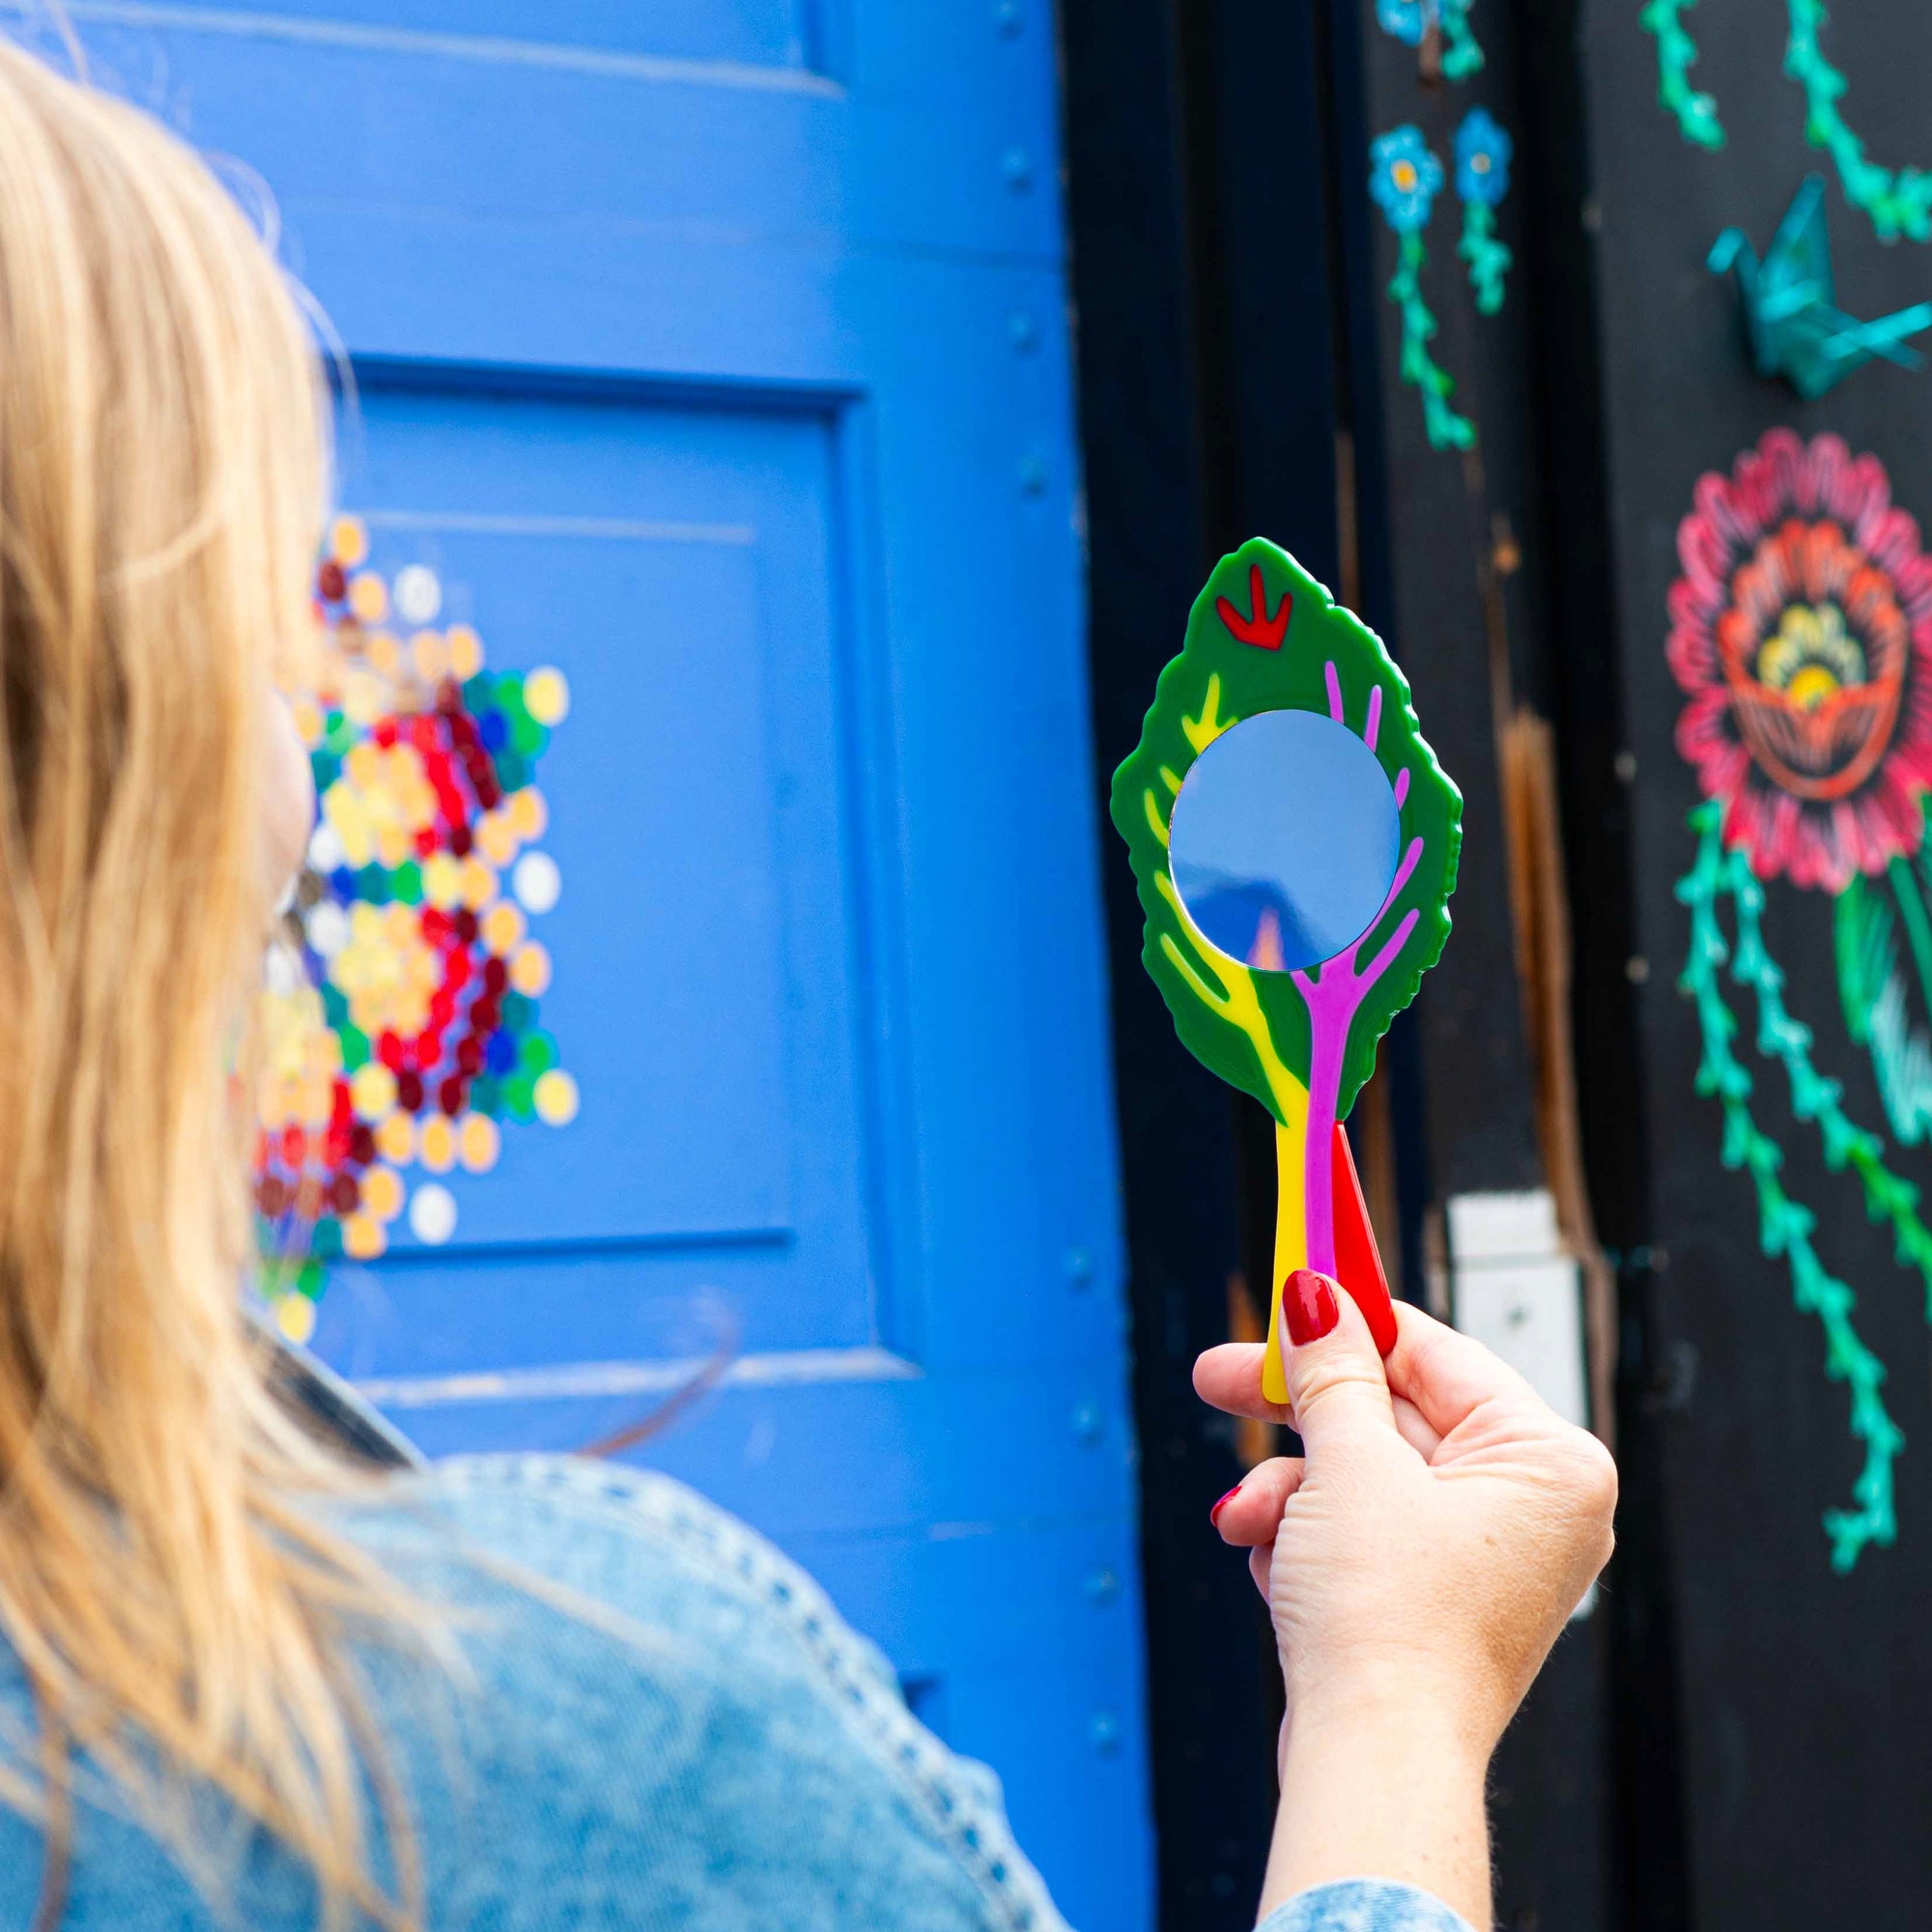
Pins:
x: 1336, y: 1385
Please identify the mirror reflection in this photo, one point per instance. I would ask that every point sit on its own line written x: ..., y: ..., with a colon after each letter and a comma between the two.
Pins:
x: 1284, y: 840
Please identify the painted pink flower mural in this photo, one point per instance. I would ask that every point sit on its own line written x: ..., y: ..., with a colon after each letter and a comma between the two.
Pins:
x: 1801, y: 633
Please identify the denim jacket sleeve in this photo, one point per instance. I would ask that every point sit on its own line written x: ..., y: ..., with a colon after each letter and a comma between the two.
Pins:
x: 1363, y: 1904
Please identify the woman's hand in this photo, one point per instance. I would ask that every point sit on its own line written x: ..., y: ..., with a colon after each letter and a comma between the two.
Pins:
x: 1419, y: 1561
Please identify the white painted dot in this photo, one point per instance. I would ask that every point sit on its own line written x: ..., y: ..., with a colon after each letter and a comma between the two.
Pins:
x: 328, y: 928
x: 281, y: 971
x: 417, y: 593
x: 432, y: 1214
x: 537, y: 881
x: 324, y: 848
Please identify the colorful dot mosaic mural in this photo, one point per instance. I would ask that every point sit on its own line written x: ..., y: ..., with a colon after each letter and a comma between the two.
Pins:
x: 401, y: 1033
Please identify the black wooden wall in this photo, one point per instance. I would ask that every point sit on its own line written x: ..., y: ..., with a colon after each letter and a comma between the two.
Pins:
x: 1237, y: 376
x: 1738, y: 1738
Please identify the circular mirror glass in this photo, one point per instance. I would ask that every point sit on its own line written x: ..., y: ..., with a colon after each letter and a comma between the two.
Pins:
x: 1284, y: 840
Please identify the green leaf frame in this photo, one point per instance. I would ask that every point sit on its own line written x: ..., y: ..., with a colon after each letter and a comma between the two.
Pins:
x: 1220, y: 678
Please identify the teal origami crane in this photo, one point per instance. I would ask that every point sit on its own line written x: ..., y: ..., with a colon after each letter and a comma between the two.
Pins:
x: 1795, y: 326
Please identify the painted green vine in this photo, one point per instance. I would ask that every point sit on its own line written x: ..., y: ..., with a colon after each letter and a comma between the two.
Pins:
x: 1896, y: 201
x: 1785, y: 1225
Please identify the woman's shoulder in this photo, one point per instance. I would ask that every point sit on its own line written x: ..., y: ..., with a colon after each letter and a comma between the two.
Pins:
x: 678, y: 1706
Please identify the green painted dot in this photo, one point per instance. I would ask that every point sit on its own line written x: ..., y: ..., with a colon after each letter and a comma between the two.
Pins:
x: 354, y: 1046
x: 536, y: 1053
x: 527, y: 736
x: 372, y: 883
x: 520, y: 1096
x: 406, y: 883
x: 311, y: 1278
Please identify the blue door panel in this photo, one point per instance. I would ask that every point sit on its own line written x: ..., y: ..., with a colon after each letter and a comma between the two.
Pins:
x: 712, y: 352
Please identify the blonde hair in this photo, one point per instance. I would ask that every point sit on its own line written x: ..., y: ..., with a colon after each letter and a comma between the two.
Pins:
x: 162, y: 459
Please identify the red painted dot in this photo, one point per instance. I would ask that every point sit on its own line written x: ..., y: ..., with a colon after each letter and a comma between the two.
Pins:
x: 330, y: 582
x: 344, y: 1194
x: 295, y: 1146
x: 362, y: 1144
x: 449, y: 696
x: 469, y: 1055
x: 449, y: 1095
x: 389, y: 1051
x: 466, y: 926
x: 384, y: 732
x: 485, y: 1018
x: 343, y: 1108
x: 272, y: 1195
x: 461, y: 840
x: 442, y: 1010
x: 425, y: 842
x: 409, y: 1089
x: 496, y: 975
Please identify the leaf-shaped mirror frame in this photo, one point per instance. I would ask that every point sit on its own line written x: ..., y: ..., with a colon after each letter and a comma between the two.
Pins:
x: 1265, y: 636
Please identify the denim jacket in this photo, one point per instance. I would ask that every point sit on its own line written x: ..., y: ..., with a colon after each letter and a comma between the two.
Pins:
x: 652, y: 1720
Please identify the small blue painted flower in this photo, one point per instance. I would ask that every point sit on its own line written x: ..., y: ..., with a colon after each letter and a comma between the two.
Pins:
x: 1404, y: 178
x: 1403, y: 19
x: 1483, y: 151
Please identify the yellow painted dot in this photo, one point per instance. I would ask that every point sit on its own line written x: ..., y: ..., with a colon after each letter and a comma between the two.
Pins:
x: 478, y: 1141
x: 555, y: 1097
x: 308, y: 723
x: 348, y: 541
x: 394, y: 847
x: 385, y: 654
x: 361, y: 697
x: 466, y: 651
x: 362, y: 1238
x: 396, y: 1138
x: 315, y: 1101
x: 294, y: 1317
x: 368, y: 597
x: 546, y: 696
x: 529, y: 813
x: 436, y: 1144
x: 495, y: 840
x: 430, y: 654
x: 364, y: 765
x: 373, y: 1090
x: 530, y: 969
x: 503, y: 926
x: 383, y: 1193
x: 442, y: 880
x: 479, y: 883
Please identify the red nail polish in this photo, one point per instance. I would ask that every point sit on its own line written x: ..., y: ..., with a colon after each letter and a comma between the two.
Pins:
x: 1309, y: 1303
x: 1214, y: 1514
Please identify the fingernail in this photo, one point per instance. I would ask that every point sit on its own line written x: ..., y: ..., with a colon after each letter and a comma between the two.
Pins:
x: 1310, y: 1306
x: 1214, y: 1514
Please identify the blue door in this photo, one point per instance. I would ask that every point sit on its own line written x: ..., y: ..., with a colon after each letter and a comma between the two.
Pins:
x: 712, y: 450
